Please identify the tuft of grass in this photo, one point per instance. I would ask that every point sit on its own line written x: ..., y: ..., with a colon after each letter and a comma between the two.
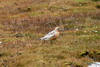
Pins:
x: 19, y: 35
x: 30, y: 35
x: 36, y: 14
x: 15, y: 16
x: 84, y: 53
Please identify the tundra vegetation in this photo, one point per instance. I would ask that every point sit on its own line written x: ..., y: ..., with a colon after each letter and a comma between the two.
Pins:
x: 23, y: 22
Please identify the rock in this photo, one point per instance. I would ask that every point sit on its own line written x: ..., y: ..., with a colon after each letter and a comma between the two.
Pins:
x: 95, y: 64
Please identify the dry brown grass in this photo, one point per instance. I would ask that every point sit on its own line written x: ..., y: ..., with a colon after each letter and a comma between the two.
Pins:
x: 23, y: 22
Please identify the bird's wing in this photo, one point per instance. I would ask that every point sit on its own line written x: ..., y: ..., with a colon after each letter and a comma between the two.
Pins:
x: 49, y: 35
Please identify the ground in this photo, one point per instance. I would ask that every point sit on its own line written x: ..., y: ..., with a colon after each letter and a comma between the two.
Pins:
x: 23, y: 22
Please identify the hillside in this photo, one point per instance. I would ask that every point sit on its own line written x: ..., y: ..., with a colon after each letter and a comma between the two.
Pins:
x: 23, y: 22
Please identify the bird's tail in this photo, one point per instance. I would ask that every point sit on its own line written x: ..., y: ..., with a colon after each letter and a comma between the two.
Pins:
x: 41, y: 38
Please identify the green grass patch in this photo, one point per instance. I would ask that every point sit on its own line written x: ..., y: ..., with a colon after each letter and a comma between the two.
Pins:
x: 36, y: 14
x: 80, y: 0
x: 14, y: 16
x: 25, y: 35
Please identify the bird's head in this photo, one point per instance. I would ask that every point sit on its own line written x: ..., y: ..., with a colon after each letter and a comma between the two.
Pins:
x: 57, y: 28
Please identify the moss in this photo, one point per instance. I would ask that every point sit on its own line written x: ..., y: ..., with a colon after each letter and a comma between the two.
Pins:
x: 36, y: 14
x: 30, y: 35
x: 98, y: 53
x: 14, y: 16
x: 19, y: 35
x: 80, y: 0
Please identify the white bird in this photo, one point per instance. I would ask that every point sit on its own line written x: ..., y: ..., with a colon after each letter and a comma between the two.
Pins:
x: 52, y: 35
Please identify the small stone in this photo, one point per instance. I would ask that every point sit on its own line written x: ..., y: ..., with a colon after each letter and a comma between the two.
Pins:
x: 76, y: 29
x: 95, y: 64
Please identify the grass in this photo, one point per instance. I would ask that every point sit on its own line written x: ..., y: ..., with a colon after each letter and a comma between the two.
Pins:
x: 23, y: 22
x: 80, y: 0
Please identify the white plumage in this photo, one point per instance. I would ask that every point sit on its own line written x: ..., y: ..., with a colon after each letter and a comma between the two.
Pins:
x: 52, y: 35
